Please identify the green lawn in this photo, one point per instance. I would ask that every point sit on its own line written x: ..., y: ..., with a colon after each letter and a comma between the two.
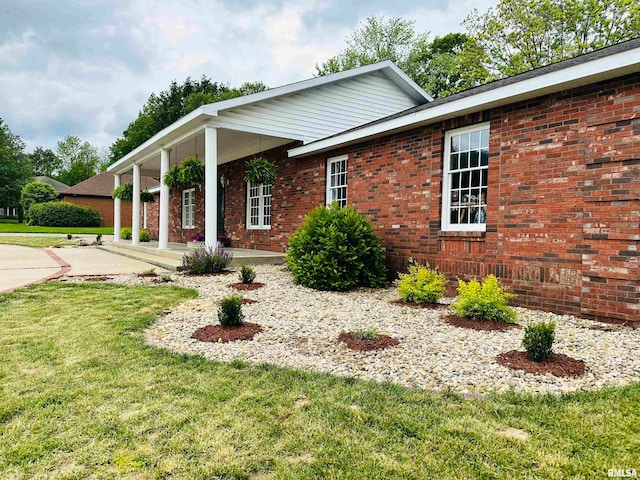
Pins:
x: 22, y: 228
x: 36, y: 242
x: 82, y: 396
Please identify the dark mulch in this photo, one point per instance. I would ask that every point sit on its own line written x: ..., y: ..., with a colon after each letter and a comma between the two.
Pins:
x: 215, y: 333
x: 96, y: 278
x: 247, y: 286
x: 559, y: 365
x: 248, y: 301
x: 480, y: 325
x: 147, y: 274
x: 224, y: 272
x: 421, y: 306
x: 354, y: 343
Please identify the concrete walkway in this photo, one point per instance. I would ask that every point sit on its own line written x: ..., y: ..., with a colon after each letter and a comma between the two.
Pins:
x: 20, y: 266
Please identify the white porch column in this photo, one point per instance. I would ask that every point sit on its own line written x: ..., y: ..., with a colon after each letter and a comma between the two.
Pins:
x: 116, y: 210
x: 135, y: 213
x: 210, y: 186
x: 163, y: 234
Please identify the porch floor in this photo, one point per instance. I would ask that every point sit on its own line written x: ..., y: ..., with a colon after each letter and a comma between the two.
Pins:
x: 171, y: 259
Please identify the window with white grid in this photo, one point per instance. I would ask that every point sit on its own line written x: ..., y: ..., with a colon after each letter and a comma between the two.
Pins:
x: 188, y: 208
x: 258, y: 206
x: 464, y: 186
x: 337, y: 180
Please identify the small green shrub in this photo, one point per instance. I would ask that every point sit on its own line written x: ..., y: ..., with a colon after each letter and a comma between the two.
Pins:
x: 484, y: 302
x: 247, y: 274
x: 206, y: 260
x: 63, y: 214
x: 538, y: 340
x: 34, y: 193
x: 69, y: 236
x: 126, y: 233
x: 145, y: 236
x: 336, y: 249
x: 230, y: 311
x: 421, y: 285
x: 370, y: 334
x: 165, y: 277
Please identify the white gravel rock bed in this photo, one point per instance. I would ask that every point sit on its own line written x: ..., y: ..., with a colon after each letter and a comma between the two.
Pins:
x: 301, y: 326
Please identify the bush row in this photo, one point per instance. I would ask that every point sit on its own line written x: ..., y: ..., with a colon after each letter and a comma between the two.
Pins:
x: 63, y: 214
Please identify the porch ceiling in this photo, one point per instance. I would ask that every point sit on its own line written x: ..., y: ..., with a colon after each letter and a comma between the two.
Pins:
x: 232, y: 145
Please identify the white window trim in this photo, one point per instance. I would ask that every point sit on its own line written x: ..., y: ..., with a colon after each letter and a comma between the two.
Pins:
x: 184, y: 210
x: 331, y: 160
x: 261, y: 225
x: 445, y: 226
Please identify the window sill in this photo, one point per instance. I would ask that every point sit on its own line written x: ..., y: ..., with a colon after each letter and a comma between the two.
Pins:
x: 462, y: 234
x: 260, y: 229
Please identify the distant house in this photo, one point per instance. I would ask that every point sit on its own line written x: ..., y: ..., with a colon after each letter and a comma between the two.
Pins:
x: 95, y: 192
x: 57, y: 186
x: 534, y: 178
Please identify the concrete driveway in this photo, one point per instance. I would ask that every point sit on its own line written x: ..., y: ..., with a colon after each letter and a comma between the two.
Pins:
x: 20, y: 266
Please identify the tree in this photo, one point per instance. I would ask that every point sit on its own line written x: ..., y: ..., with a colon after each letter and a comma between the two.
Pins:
x: 44, y: 162
x: 378, y: 38
x: 36, y: 192
x: 431, y: 64
x: 161, y: 110
x: 15, y: 169
x: 519, y: 35
x: 79, y: 160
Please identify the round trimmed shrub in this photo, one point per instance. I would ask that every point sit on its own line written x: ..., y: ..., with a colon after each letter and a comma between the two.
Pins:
x: 34, y: 193
x: 336, y: 249
x: 538, y: 340
x: 63, y: 214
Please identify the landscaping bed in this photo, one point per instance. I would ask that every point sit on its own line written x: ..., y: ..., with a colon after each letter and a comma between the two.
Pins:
x: 301, y: 327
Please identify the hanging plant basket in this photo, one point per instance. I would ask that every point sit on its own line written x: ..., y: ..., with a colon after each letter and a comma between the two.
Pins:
x: 147, y: 197
x: 188, y: 174
x: 260, y: 171
x: 123, y: 192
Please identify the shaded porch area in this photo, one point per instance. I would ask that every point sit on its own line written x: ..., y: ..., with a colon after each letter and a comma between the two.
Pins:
x: 171, y: 257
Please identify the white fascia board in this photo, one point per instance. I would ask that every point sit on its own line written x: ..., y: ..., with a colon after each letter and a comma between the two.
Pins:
x: 318, y: 82
x: 582, y: 74
x: 257, y: 130
x: 154, y: 189
x: 134, y: 156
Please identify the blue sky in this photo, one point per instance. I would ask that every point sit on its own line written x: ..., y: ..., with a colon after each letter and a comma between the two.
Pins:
x: 85, y: 68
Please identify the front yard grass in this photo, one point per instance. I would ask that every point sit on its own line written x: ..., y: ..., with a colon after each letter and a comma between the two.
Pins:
x: 36, y: 242
x: 22, y: 228
x: 82, y: 396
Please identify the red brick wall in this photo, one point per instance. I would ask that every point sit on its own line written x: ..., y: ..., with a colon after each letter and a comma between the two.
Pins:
x: 562, y: 218
x: 104, y: 205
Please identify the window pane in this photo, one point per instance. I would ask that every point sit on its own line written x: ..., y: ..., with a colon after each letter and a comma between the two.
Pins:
x: 464, y: 160
x: 453, y: 162
x: 475, y: 178
x: 474, y: 158
x: 484, y: 158
x: 484, y: 139
x: 475, y: 140
x: 465, y: 180
x: 464, y: 142
x: 484, y: 177
x: 455, y: 143
x: 455, y: 180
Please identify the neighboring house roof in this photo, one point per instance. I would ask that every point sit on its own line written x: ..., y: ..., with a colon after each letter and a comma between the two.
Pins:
x: 302, y: 111
x: 57, y: 186
x: 102, y: 185
x: 606, y: 63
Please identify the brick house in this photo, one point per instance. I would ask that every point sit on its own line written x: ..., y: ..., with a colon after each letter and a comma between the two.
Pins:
x: 95, y: 192
x: 534, y: 178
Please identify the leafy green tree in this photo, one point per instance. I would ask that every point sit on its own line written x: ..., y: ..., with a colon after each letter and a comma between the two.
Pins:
x: 377, y: 38
x: 34, y: 193
x: 519, y: 35
x: 15, y: 168
x: 431, y: 64
x: 80, y: 160
x: 164, y: 108
x: 44, y: 162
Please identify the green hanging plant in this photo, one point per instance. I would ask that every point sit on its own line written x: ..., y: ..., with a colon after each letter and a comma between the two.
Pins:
x: 147, y: 197
x: 172, y: 178
x: 123, y: 192
x: 260, y: 171
x: 189, y: 173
